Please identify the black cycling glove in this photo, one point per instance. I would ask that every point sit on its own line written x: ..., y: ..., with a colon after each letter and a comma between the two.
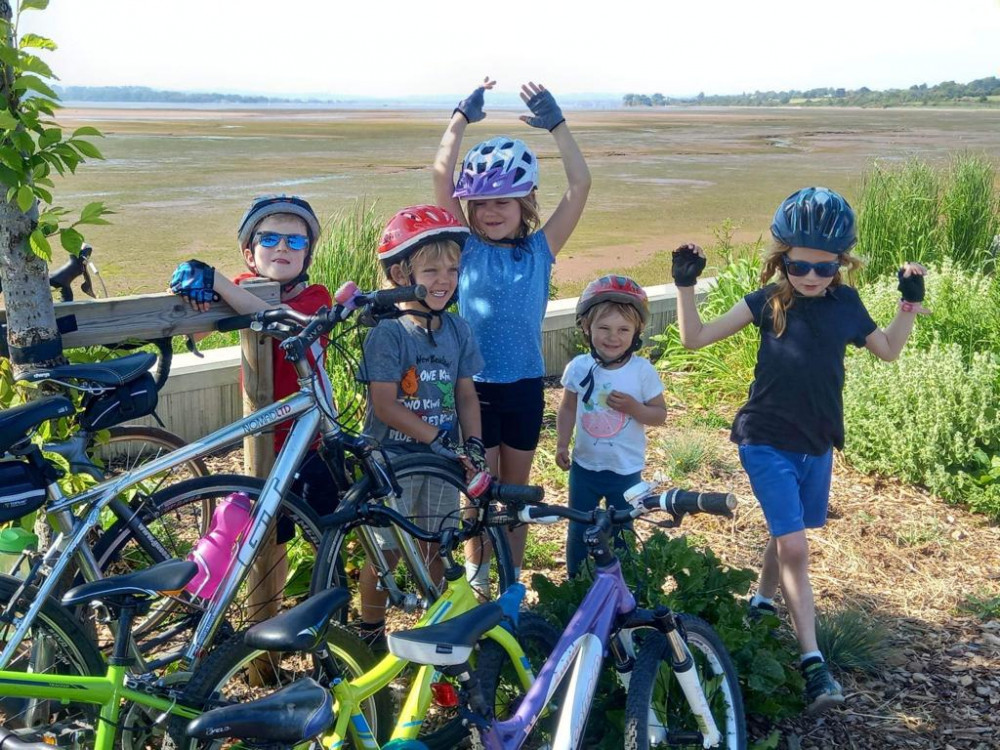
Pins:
x: 475, y: 450
x: 687, y: 266
x: 911, y: 287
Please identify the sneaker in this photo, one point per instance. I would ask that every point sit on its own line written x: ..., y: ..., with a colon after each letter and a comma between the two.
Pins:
x: 755, y: 612
x: 822, y: 691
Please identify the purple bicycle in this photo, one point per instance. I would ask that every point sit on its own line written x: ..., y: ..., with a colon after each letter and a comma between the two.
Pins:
x: 682, y: 686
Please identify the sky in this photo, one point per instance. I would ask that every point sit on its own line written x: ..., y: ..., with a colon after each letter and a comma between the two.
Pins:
x: 393, y: 48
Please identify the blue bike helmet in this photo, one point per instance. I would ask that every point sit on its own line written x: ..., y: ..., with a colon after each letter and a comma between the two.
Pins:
x: 817, y: 218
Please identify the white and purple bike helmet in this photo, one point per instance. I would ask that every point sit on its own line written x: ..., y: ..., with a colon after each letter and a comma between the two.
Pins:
x: 498, y: 168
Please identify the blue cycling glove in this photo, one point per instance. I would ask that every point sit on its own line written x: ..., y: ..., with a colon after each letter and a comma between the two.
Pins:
x: 471, y: 107
x: 545, y: 110
x: 194, y: 280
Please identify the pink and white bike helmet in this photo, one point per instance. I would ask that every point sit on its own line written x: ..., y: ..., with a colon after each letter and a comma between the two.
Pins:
x: 498, y: 168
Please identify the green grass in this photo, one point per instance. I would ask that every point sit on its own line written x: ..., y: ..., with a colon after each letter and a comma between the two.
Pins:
x: 851, y: 640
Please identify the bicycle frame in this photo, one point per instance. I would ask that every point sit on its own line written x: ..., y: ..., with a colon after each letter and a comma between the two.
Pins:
x: 301, y: 407
x: 108, y: 692
x: 457, y: 598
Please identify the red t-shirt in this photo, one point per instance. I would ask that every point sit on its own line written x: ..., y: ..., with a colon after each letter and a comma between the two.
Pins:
x: 286, y: 380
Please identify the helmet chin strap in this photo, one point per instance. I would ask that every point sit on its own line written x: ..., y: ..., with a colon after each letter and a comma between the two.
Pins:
x: 588, y: 382
x: 428, y: 313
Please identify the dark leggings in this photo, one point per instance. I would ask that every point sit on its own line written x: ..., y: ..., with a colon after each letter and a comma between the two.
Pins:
x: 586, y: 488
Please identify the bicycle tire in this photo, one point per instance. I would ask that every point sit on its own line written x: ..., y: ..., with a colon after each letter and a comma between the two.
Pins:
x: 175, y: 515
x: 653, y: 688
x: 75, y: 653
x: 498, y: 680
x: 233, y: 663
x: 329, y: 573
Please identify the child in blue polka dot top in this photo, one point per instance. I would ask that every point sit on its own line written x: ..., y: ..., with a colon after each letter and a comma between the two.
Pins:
x: 505, y: 269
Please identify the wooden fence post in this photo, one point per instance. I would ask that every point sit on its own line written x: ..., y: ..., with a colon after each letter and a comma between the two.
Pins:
x: 266, y: 581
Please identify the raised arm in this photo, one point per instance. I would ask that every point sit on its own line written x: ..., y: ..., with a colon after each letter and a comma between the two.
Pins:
x: 547, y: 114
x: 888, y: 343
x: 688, y: 263
x: 468, y: 110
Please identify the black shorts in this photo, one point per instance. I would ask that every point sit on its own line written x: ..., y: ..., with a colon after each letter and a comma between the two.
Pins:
x: 512, y: 413
x: 314, y: 485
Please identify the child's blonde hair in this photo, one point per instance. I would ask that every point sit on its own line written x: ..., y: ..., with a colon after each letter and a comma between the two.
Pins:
x: 784, y: 296
x: 602, y: 309
x: 530, y: 220
x: 429, y: 253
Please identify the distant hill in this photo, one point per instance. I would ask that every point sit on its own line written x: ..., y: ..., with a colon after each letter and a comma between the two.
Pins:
x: 144, y: 94
x: 981, y: 92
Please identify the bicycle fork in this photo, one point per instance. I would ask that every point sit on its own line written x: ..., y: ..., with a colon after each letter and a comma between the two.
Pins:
x: 687, y: 676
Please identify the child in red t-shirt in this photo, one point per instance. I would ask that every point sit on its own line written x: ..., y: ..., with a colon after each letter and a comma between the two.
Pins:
x: 277, y: 237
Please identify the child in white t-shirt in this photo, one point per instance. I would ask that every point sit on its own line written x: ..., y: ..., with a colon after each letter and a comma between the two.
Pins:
x: 609, y: 396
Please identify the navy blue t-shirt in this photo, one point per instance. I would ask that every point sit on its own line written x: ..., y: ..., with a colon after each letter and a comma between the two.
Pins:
x: 796, y: 400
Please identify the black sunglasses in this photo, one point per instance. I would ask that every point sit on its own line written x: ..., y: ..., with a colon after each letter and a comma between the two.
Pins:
x: 827, y: 269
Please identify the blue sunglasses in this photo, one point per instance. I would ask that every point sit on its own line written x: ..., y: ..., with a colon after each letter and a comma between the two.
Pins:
x: 826, y: 269
x: 295, y: 242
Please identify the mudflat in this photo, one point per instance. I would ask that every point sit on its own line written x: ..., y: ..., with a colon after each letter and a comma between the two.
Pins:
x: 180, y: 179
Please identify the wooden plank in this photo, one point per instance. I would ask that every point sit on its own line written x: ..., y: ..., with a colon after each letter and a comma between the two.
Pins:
x: 145, y: 316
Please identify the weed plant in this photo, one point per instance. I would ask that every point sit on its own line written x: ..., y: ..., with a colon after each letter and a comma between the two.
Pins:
x: 971, y: 213
x: 852, y: 641
x: 898, y: 217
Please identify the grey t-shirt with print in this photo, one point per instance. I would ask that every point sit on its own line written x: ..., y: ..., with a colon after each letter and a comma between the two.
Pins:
x: 425, y: 366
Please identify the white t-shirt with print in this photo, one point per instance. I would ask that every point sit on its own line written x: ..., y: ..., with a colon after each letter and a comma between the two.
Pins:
x: 607, y: 439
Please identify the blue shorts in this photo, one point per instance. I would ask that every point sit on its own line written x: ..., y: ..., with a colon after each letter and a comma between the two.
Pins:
x: 793, y: 489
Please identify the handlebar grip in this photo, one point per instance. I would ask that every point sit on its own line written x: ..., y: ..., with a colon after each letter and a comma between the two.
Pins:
x: 536, y: 514
x: 517, y: 494
x: 234, y: 323
x: 685, y: 501
x: 399, y: 294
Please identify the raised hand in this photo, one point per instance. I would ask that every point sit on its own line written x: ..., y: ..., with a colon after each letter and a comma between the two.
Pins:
x: 688, y: 263
x: 471, y: 107
x: 545, y: 111
x: 911, y: 287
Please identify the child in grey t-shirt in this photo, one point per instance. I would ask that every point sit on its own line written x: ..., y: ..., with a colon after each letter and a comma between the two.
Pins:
x: 419, y: 370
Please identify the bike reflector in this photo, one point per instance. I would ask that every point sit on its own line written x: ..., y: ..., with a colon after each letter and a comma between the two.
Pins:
x: 444, y: 694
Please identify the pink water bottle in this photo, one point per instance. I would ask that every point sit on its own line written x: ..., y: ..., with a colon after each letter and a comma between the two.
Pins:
x: 213, y: 553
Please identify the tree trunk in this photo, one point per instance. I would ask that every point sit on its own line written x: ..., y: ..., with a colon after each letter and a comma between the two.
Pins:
x: 32, y: 335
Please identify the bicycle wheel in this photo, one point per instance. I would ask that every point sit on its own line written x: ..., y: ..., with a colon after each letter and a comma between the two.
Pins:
x: 236, y: 673
x: 499, y: 681
x: 340, y: 553
x: 55, y: 644
x: 656, y: 711
x: 176, y: 517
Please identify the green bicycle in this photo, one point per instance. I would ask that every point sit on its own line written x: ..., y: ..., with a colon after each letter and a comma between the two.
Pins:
x: 228, y: 677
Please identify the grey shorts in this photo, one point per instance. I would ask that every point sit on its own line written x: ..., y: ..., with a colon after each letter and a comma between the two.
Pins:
x: 428, y: 502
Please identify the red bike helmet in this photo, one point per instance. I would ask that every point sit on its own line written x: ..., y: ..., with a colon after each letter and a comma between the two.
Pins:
x: 416, y: 226
x: 614, y: 289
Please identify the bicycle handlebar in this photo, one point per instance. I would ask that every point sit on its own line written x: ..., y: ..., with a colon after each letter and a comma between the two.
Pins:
x: 675, y: 501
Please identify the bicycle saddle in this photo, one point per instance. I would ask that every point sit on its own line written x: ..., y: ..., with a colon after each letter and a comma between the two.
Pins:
x: 165, y: 577
x: 293, y: 714
x: 17, y: 422
x: 112, y: 372
x: 301, y: 628
x: 446, y: 643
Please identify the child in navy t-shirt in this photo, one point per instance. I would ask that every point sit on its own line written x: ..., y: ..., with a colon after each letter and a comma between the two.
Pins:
x: 793, y: 417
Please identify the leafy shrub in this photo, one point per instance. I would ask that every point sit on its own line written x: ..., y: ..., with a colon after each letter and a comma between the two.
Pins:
x: 965, y: 305
x: 929, y: 418
x: 672, y: 571
x: 722, y: 371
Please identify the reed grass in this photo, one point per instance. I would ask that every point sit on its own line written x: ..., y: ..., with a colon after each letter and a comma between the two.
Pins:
x: 971, y: 213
